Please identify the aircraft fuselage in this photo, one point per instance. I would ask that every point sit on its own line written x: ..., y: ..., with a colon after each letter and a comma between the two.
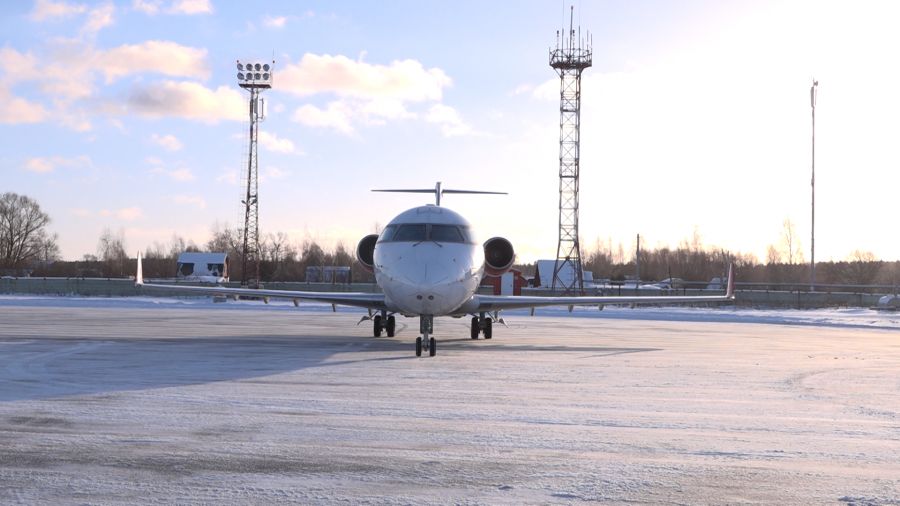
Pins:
x: 428, y: 262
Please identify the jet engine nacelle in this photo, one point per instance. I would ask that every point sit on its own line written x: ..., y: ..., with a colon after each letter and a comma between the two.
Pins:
x: 498, y: 256
x: 365, y: 252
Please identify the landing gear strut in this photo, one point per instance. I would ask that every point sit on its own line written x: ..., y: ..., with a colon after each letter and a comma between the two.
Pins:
x: 481, y: 324
x: 426, y: 327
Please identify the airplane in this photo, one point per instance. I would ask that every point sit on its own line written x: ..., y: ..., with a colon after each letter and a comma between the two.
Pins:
x: 427, y: 263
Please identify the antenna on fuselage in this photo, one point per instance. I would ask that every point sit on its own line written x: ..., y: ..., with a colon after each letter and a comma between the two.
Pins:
x: 438, y: 191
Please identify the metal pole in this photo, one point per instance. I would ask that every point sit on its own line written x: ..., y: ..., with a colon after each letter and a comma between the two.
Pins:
x: 813, y: 91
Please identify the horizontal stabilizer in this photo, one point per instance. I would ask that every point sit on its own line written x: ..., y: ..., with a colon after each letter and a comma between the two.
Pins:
x: 438, y: 191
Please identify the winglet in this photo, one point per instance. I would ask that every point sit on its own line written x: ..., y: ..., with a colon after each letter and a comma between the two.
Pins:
x: 139, y: 275
x: 729, y: 291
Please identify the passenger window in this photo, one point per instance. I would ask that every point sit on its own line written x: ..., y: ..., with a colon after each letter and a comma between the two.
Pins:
x: 410, y: 233
x: 446, y: 233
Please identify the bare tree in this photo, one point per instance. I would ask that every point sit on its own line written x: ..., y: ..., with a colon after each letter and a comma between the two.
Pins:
x: 111, y: 251
x: 23, y: 235
x: 791, y: 242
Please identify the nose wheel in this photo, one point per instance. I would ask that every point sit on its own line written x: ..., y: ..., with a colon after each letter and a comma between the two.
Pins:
x: 424, y: 342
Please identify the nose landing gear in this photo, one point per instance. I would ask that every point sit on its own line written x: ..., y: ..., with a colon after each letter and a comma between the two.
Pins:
x: 426, y: 327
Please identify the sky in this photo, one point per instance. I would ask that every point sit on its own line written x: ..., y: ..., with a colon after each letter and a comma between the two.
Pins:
x: 695, y: 119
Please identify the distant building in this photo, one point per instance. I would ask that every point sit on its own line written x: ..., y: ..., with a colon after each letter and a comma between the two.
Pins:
x: 543, y: 274
x: 510, y: 283
x: 210, y: 267
x: 328, y: 274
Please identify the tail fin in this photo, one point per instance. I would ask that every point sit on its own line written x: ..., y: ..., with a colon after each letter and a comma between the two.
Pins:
x: 139, y: 275
x: 729, y: 290
x: 437, y: 191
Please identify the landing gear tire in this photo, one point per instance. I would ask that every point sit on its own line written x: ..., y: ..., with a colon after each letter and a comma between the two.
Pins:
x: 377, y: 326
x: 488, y: 328
x: 432, y: 347
x: 475, y: 330
x: 391, y: 325
x: 418, y: 346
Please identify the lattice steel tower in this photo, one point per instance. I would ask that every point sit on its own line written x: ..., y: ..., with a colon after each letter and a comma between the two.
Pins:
x: 253, y: 77
x: 571, y: 56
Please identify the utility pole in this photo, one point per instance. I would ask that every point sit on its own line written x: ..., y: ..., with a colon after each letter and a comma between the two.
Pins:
x: 813, y: 91
x: 637, y: 262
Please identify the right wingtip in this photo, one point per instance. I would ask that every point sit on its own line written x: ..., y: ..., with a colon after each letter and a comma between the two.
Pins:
x: 139, y: 275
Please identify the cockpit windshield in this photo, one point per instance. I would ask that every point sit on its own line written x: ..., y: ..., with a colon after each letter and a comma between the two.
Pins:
x: 411, y: 232
x: 418, y: 232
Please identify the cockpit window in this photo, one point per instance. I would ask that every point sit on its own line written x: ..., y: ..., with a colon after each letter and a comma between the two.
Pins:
x: 446, y: 233
x: 388, y: 233
x: 412, y: 232
x: 418, y: 232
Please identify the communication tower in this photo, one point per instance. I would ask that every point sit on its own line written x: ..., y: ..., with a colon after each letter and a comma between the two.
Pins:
x: 571, y: 56
x: 254, y: 77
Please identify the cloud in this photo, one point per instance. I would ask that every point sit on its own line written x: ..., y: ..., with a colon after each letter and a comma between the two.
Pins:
x: 47, y: 9
x: 277, y: 144
x: 449, y: 120
x: 17, y: 110
x: 405, y: 80
x: 150, y: 7
x: 67, y: 73
x: 80, y: 212
x: 193, y: 200
x: 188, y: 100
x: 167, y: 142
x: 274, y: 21
x: 187, y: 7
x: 181, y: 174
x: 39, y: 165
x: 163, y: 57
x: 366, y: 93
x: 98, y: 19
x: 232, y: 177
x: 43, y: 165
x: 124, y: 214
x: 272, y: 173
x: 190, y: 7
x: 337, y: 115
x: 228, y: 176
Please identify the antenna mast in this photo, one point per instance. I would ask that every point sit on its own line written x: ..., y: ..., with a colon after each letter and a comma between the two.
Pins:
x: 569, y: 60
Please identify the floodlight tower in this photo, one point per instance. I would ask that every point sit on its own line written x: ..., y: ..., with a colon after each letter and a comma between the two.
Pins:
x: 253, y: 77
x: 571, y: 56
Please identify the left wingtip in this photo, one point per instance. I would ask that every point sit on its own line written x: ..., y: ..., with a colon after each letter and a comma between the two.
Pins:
x: 729, y: 292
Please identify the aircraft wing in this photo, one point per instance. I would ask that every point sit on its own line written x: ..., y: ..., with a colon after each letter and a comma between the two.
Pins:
x: 365, y: 300
x: 488, y: 303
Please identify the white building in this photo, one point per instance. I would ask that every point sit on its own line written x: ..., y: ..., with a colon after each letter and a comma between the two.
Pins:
x: 209, y: 267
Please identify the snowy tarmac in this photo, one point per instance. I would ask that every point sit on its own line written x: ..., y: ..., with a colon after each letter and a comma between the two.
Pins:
x: 146, y: 401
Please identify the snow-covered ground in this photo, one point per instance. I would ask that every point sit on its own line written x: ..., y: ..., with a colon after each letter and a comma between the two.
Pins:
x: 112, y: 401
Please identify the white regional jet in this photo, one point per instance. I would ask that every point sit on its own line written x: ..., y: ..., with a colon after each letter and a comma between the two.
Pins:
x: 428, y: 264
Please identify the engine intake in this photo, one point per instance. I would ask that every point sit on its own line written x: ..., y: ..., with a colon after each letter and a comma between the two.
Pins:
x: 498, y: 256
x: 365, y: 252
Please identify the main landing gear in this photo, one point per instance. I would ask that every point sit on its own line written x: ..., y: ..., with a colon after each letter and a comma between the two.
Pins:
x: 426, y: 327
x: 383, y: 322
x: 482, y: 323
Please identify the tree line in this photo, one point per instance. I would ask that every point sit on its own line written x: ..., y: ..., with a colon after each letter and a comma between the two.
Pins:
x: 26, y: 245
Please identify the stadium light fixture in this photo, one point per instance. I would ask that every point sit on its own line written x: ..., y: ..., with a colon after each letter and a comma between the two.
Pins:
x: 255, y: 75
